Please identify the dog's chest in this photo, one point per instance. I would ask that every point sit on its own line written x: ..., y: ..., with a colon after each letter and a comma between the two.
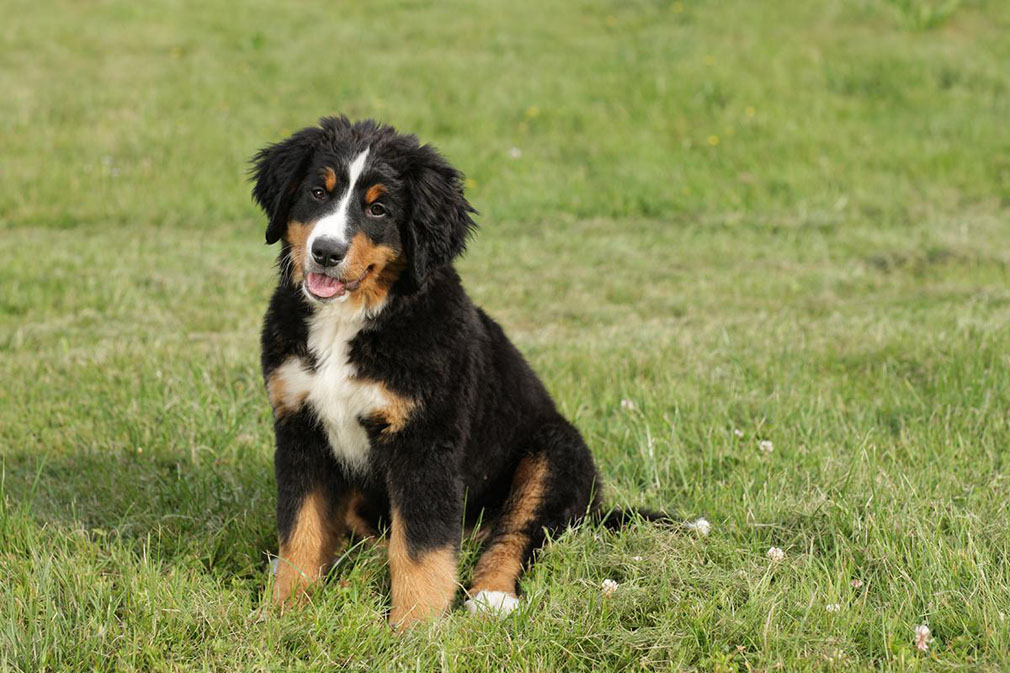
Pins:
x: 334, y: 392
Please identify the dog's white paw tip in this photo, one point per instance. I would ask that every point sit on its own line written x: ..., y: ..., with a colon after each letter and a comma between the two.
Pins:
x: 496, y: 603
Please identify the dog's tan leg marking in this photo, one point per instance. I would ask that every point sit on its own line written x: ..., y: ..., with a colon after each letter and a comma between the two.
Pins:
x: 310, y: 548
x: 480, y: 534
x: 501, y: 563
x: 423, y: 584
x: 355, y: 522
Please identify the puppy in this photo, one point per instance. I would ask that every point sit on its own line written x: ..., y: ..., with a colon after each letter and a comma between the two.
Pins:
x: 395, y: 398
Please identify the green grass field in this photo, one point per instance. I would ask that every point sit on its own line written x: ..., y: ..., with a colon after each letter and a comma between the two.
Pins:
x: 781, y: 222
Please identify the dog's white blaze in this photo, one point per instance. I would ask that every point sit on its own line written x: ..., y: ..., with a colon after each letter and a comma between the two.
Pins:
x: 334, y: 392
x: 334, y: 224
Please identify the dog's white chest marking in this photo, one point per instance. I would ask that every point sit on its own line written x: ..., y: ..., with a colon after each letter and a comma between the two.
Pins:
x: 333, y: 391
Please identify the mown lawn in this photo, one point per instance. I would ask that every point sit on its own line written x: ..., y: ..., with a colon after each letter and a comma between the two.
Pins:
x: 709, y: 224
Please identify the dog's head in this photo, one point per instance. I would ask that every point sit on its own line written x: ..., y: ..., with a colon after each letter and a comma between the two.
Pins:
x: 361, y: 209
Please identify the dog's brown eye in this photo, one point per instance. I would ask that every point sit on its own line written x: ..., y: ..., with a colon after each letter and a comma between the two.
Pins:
x: 318, y: 194
x: 376, y: 210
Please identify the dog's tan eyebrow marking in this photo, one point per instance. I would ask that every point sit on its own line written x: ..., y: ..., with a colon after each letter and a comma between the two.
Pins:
x: 374, y: 192
x: 330, y: 178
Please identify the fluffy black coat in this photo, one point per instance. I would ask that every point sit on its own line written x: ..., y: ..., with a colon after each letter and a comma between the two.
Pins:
x: 480, y: 435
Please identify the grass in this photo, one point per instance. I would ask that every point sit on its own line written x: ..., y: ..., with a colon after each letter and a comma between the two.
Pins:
x: 783, y: 219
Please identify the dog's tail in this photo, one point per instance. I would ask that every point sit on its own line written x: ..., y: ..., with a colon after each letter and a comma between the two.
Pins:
x: 616, y: 518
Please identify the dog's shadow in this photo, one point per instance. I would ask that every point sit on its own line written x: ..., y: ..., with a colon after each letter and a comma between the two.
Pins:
x: 161, y: 504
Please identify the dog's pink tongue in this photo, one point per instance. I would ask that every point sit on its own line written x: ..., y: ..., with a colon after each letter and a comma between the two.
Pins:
x: 322, y: 285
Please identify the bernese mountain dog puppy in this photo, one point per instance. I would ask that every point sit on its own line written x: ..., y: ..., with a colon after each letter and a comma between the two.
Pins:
x: 395, y: 398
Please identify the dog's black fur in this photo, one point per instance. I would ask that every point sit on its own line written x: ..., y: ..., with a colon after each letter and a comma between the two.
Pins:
x: 480, y: 433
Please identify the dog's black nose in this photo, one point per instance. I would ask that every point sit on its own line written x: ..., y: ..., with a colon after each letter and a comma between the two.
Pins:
x: 328, y: 251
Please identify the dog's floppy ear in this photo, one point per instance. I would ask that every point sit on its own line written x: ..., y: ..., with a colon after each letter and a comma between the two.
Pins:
x: 439, y: 224
x: 277, y: 171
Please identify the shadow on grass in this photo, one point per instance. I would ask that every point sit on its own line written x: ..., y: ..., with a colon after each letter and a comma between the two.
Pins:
x: 159, y: 504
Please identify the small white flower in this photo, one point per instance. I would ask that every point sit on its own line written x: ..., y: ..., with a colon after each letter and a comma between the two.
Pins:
x: 609, y: 587
x: 775, y: 554
x: 636, y: 558
x: 922, y: 637
x: 856, y: 583
x: 701, y: 526
x: 627, y: 405
x: 515, y: 152
x: 765, y: 446
x: 833, y: 607
x: 738, y: 432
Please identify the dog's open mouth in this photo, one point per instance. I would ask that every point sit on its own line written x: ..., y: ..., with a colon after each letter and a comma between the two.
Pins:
x: 322, y: 286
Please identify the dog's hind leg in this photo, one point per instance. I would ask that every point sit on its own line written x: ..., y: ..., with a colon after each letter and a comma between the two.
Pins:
x: 553, y: 486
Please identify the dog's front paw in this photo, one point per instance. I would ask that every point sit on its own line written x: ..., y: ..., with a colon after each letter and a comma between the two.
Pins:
x: 496, y: 603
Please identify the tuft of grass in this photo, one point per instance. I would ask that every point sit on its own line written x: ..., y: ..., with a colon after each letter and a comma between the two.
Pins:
x: 751, y: 222
x: 925, y: 14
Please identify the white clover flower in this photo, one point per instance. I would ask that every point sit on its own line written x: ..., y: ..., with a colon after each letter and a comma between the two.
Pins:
x: 515, y: 152
x: 609, y: 587
x: 701, y: 526
x: 856, y: 583
x: 766, y: 446
x: 922, y: 637
x: 833, y: 607
x: 636, y: 558
x: 775, y: 554
x: 627, y: 405
x: 738, y: 432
